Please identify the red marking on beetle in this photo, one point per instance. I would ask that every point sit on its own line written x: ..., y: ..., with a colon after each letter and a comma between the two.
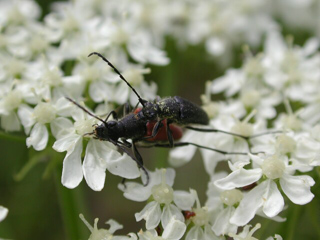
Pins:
x: 137, y: 110
x: 162, y: 133
x: 188, y: 214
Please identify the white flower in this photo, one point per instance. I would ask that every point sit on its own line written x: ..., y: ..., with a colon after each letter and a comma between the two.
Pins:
x: 276, y: 237
x: 47, y: 80
x: 201, y: 228
x: 161, y: 208
x: 302, y: 149
x: 173, y: 231
x: 246, y: 234
x: 141, y: 49
x: 266, y: 195
x: 8, y: 105
x: 222, y: 224
x: 99, y: 155
x: 37, y: 118
x: 103, y: 234
x: 18, y: 12
x: 293, y: 70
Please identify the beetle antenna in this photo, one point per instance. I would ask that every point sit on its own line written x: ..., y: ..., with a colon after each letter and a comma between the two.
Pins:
x: 142, y: 101
x: 85, y: 110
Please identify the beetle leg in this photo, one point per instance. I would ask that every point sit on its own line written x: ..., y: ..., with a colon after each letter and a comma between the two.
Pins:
x: 123, y: 182
x: 182, y: 144
x: 139, y: 161
x: 137, y: 157
x: 126, y: 109
x: 169, y: 134
x: 230, y: 133
x: 137, y: 154
x: 156, y: 128
x: 114, y: 115
x: 136, y: 106
x: 126, y: 143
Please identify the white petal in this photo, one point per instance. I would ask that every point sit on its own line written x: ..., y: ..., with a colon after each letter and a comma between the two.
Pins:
x: 310, y: 46
x: 196, y: 232
x: 210, y: 160
x: 135, y: 191
x: 174, y: 230
x: 63, y: 106
x: 3, y: 213
x: 151, y: 213
x: 170, y: 176
x: 138, y: 192
x: 61, y: 127
x: 222, y: 225
x: 297, y: 188
x: 121, y: 93
x: 10, y: 122
x: 72, y: 169
x: 249, y: 205
x: 94, y: 172
x: 182, y: 155
x: 184, y: 200
x: 25, y: 115
x: 66, y: 143
x: 274, y: 201
x: 215, y: 46
x: 114, y: 226
x: 39, y: 137
x: 122, y: 165
x: 99, y: 91
x: 170, y: 211
x: 239, y: 178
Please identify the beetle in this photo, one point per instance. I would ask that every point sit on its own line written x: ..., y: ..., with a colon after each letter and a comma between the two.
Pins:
x: 172, y: 109
x: 152, y: 123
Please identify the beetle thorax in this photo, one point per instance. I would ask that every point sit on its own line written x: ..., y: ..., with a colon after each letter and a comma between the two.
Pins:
x: 150, y: 110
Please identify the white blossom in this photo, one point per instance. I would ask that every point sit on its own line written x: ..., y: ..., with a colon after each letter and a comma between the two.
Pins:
x: 162, y: 207
x: 101, y: 234
x: 99, y: 155
x: 173, y: 231
x: 266, y: 195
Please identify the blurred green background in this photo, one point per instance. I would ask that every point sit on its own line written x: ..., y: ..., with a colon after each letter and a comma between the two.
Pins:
x: 41, y: 208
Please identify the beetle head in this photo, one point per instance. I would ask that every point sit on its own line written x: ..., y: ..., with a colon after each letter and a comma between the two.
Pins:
x: 106, y: 131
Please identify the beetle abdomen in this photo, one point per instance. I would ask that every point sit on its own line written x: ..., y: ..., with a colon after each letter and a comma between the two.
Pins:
x: 191, y: 113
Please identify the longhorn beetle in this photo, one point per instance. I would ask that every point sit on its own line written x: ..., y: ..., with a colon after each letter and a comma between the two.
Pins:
x: 159, y: 112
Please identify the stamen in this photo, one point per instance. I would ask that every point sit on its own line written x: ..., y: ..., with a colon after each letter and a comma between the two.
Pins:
x: 288, y: 106
x: 251, y: 115
x: 86, y: 222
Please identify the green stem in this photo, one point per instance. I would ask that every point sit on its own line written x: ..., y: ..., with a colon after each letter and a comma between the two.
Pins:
x: 265, y: 227
x: 69, y: 208
x: 12, y: 137
x: 293, y: 220
x: 32, y: 162
x: 313, y: 215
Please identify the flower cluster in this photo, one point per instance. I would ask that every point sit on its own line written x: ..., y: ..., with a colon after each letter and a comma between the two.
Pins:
x: 282, y: 146
x: 44, y: 62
